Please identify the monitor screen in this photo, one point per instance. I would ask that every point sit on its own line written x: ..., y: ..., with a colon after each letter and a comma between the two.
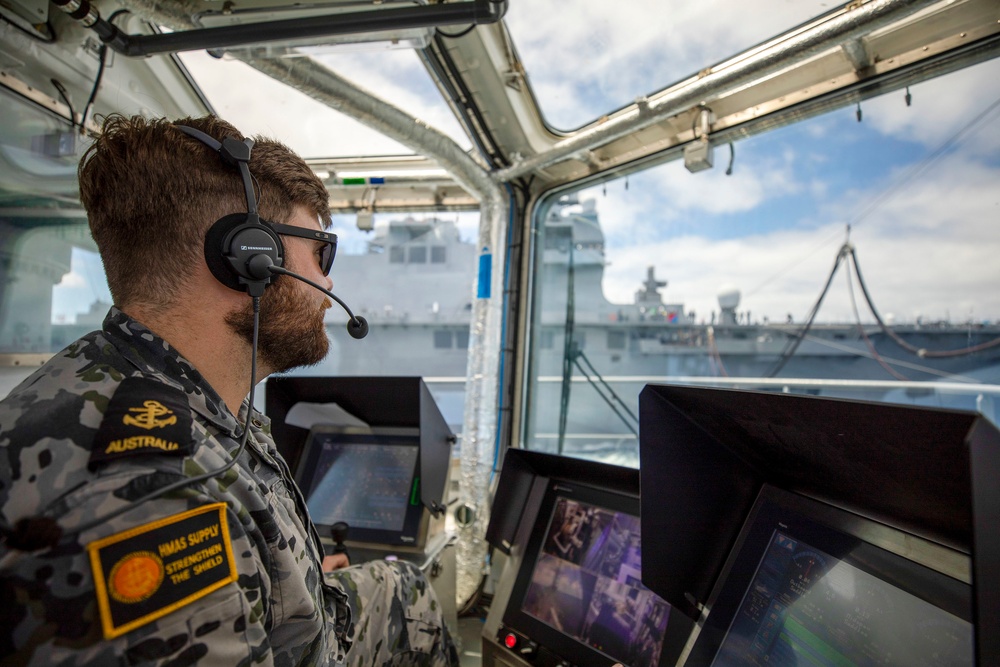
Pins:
x: 803, y: 590
x: 579, y: 591
x: 368, y: 481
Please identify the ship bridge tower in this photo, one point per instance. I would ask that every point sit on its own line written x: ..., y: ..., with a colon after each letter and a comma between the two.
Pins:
x: 649, y: 295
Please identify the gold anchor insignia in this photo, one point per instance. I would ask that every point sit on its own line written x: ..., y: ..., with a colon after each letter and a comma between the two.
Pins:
x: 147, y: 417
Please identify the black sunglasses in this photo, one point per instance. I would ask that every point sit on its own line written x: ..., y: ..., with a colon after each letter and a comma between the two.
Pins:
x: 329, y: 251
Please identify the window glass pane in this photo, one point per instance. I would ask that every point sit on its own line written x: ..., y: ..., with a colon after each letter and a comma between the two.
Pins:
x: 616, y: 54
x: 438, y: 254
x: 546, y: 340
x: 81, y: 299
x: 418, y: 313
x: 418, y: 255
x: 713, y: 278
x: 53, y: 291
x: 317, y: 130
x: 442, y: 339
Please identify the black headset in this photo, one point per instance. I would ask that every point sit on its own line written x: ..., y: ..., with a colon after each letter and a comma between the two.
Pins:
x: 240, y: 248
x: 244, y: 252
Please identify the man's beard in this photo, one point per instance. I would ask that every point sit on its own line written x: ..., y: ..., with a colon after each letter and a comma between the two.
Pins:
x: 292, y: 332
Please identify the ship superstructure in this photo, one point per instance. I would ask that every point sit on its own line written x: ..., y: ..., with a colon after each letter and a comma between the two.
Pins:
x: 413, y: 285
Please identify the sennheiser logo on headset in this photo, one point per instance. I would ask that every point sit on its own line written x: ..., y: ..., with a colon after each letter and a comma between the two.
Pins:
x: 255, y: 247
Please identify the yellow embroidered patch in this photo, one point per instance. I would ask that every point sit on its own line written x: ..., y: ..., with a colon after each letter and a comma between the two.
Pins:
x: 147, y: 572
x: 144, y: 418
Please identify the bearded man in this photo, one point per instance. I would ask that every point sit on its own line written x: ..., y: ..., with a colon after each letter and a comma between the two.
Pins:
x: 147, y: 516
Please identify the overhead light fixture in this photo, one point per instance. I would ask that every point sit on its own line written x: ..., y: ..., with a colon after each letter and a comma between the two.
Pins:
x: 234, y: 17
x: 385, y: 40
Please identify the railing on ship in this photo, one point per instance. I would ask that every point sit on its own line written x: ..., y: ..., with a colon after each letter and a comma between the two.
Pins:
x: 620, y: 446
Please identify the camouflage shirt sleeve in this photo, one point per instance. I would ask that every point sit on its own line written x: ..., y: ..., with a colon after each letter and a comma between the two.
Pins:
x: 223, y: 571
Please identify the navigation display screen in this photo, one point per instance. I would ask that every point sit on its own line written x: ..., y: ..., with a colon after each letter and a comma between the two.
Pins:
x: 586, y: 583
x: 370, y: 481
x: 806, y: 607
x: 366, y: 485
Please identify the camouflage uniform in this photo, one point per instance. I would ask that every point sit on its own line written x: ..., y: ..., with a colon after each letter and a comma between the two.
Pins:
x: 268, y: 602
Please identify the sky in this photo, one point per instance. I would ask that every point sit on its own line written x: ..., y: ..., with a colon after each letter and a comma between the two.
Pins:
x: 310, y: 128
x: 916, y: 184
x: 625, y: 54
x: 922, y: 211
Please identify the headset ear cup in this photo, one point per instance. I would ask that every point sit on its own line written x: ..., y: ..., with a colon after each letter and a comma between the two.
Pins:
x: 215, y: 250
x: 235, y: 239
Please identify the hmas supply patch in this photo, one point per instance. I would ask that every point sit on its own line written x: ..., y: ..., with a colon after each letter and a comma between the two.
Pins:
x: 143, y: 417
x: 147, y: 572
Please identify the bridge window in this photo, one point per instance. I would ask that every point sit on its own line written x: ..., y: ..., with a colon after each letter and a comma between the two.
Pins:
x: 442, y: 340
x: 715, y: 277
x: 418, y: 254
x: 616, y: 340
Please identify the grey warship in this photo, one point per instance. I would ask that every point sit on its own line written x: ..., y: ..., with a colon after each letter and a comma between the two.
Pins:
x: 419, y: 309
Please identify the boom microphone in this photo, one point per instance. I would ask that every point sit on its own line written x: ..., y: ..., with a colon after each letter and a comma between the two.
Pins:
x: 357, y: 326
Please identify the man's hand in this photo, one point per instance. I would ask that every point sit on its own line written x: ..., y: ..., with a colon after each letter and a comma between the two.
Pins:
x: 335, y: 562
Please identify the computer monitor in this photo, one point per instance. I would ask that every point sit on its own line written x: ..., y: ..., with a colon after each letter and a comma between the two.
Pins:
x: 368, y: 480
x: 579, y: 592
x: 811, y: 584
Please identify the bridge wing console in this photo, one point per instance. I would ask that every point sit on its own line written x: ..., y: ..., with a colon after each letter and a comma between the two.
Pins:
x: 800, y: 530
x: 808, y: 584
x: 571, y: 592
x: 373, y: 452
x: 371, y: 456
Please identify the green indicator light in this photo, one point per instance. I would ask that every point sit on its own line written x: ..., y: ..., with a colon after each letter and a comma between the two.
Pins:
x: 353, y: 181
x: 414, y: 496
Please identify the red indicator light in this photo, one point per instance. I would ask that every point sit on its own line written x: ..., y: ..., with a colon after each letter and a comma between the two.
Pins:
x: 510, y: 641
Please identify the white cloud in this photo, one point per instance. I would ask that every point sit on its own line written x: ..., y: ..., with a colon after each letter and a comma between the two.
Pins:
x: 71, y: 280
x: 941, y: 108
x: 622, y: 54
x: 930, y: 252
x: 258, y: 104
x: 620, y: 209
x: 930, y: 248
x: 400, y: 79
x: 680, y: 201
x: 714, y: 192
x: 957, y: 200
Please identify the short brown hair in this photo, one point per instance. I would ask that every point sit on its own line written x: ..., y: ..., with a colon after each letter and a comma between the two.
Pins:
x: 151, y: 193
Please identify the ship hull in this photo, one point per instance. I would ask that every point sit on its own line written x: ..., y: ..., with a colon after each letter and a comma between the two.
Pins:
x: 611, y: 363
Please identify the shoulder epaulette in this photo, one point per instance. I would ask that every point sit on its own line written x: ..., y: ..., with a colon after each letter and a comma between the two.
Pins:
x: 144, y: 417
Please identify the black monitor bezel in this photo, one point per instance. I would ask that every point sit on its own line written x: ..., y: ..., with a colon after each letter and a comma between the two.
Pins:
x: 841, y: 534
x: 566, y: 647
x: 414, y: 520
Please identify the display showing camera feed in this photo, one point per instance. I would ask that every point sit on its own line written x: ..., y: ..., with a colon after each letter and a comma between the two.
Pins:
x: 367, y: 485
x: 586, y: 584
x: 805, y: 607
